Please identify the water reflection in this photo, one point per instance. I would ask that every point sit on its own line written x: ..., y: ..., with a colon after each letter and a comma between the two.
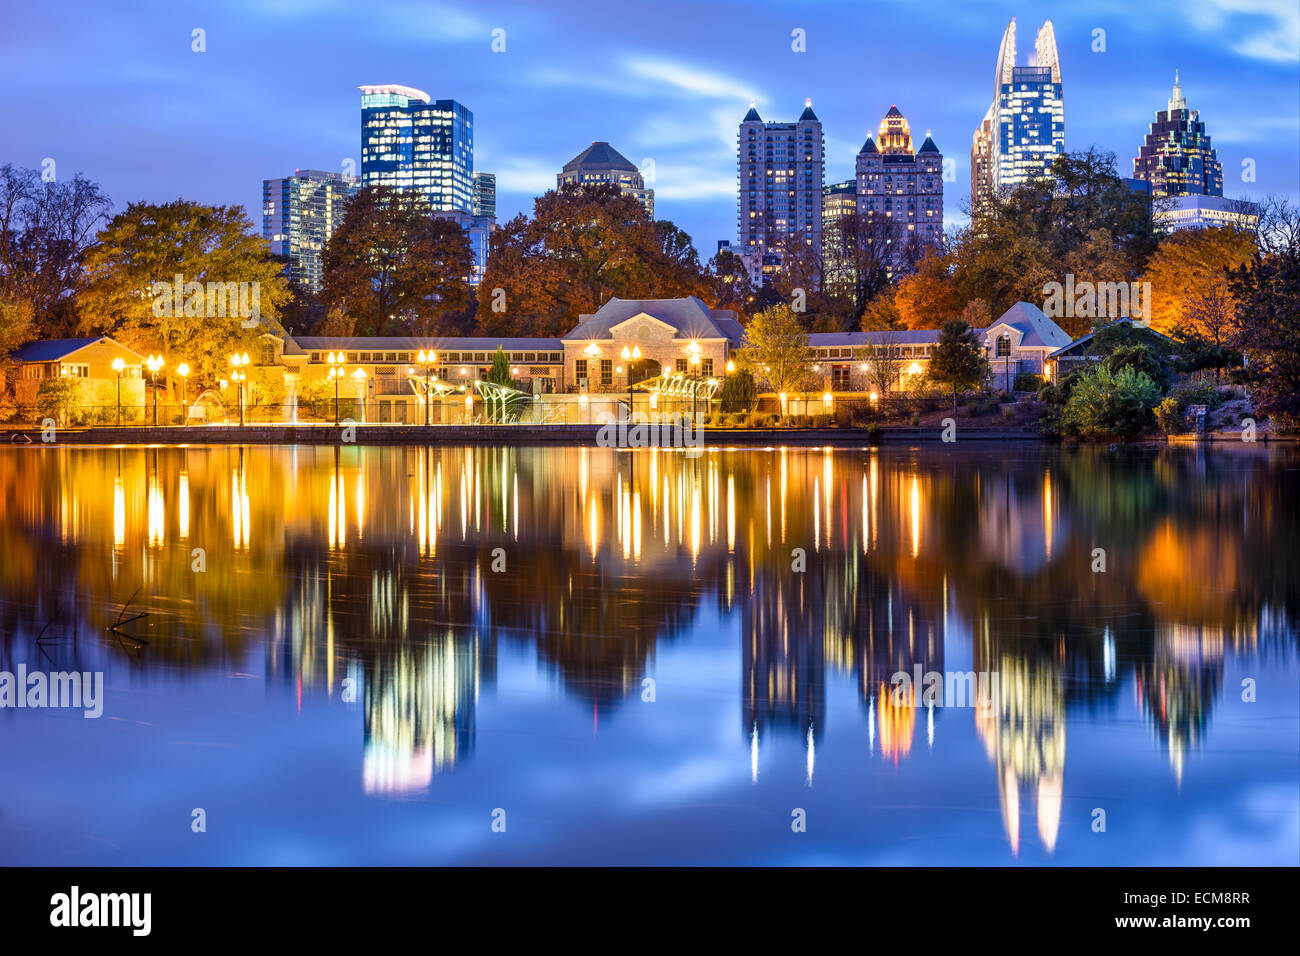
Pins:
x: 390, y: 578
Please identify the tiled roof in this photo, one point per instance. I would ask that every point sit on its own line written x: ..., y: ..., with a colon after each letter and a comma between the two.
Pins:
x: 52, y: 350
x: 689, y: 316
x: 1036, y: 329
x: 411, y: 343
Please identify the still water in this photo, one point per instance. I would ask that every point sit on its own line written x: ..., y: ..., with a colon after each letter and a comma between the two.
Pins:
x: 564, y: 655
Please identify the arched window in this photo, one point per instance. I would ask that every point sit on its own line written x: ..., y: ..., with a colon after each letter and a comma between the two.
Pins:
x: 1004, y: 346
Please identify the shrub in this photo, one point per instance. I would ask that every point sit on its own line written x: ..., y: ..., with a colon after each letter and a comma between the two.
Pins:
x: 1026, y: 382
x: 57, y: 398
x: 823, y: 420
x: 1104, y: 403
x: 1140, y: 358
x: 915, y: 420
x: 1008, y: 412
x: 739, y: 393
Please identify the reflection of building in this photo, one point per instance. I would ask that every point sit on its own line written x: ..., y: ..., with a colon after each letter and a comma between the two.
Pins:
x: 602, y: 163
x: 901, y: 190
x: 420, y: 708
x: 1024, y: 129
x: 411, y: 142
x: 1177, y: 158
x: 1177, y: 688
x: 1024, y: 735
x: 782, y: 166
x: 299, y: 215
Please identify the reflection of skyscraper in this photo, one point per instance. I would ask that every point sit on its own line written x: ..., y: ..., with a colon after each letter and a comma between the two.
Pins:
x: 1024, y: 734
x: 420, y: 708
x: 1023, y: 130
x: 783, y: 667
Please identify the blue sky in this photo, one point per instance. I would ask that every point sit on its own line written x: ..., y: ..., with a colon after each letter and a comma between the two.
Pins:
x: 115, y: 91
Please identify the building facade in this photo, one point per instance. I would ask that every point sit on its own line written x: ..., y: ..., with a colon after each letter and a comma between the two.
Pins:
x: 900, y: 192
x: 839, y: 211
x: 782, y: 168
x: 1177, y: 158
x: 478, y: 229
x: 89, y: 362
x: 1023, y: 130
x: 299, y: 215
x: 411, y: 142
x: 1204, y: 212
x: 602, y: 163
x: 485, y: 195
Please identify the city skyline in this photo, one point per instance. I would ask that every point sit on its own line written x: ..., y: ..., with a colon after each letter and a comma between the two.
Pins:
x: 669, y: 96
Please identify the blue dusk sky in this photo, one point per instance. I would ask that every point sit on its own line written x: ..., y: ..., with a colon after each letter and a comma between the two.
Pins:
x: 114, y: 91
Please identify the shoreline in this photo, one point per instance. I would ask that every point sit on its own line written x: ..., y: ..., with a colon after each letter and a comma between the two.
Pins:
x: 522, y: 435
x: 483, y: 435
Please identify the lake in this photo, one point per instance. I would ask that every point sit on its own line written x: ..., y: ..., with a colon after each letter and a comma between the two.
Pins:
x: 468, y: 655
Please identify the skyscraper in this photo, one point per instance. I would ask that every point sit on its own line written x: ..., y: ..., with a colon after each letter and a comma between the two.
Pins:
x: 299, y: 214
x: 1023, y: 130
x: 602, y: 163
x: 782, y: 167
x: 411, y: 142
x: 1177, y: 158
x: 839, y: 207
x: 901, y: 190
x: 485, y: 195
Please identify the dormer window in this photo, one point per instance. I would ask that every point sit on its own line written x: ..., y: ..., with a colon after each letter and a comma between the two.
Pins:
x: 1003, y: 346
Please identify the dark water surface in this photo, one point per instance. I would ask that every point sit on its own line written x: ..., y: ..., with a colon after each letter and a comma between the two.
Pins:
x: 646, y: 676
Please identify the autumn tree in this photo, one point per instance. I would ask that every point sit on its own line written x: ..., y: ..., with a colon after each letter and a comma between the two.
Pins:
x: 1189, y: 280
x: 394, y: 264
x: 1266, y: 323
x: 929, y: 296
x: 882, y: 313
x: 729, y: 285
x: 583, y: 245
x: 132, y: 268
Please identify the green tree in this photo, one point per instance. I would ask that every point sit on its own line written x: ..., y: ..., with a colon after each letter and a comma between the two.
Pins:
x: 776, y: 349
x: 1142, y: 358
x: 133, y: 266
x: 957, y: 362
x: 739, y: 393
x: 1110, y: 404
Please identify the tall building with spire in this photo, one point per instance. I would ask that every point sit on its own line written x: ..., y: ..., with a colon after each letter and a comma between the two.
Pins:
x: 782, y: 167
x: 1177, y: 158
x: 602, y: 163
x: 1023, y: 130
x: 900, y: 190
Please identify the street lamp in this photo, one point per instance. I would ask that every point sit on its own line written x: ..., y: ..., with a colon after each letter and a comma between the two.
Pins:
x: 238, y: 375
x: 183, y: 370
x: 427, y: 359
x: 336, y: 373
x: 154, y: 363
x: 631, y: 356
x: 118, y: 366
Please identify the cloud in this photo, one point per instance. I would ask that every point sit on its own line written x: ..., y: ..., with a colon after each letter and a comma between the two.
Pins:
x: 1276, y: 38
x: 530, y: 176
x: 690, y: 80
x: 688, y: 183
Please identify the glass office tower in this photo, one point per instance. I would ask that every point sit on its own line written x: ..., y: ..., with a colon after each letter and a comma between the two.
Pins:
x: 299, y: 215
x: 411, y: 142
x: 1177, y: 158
